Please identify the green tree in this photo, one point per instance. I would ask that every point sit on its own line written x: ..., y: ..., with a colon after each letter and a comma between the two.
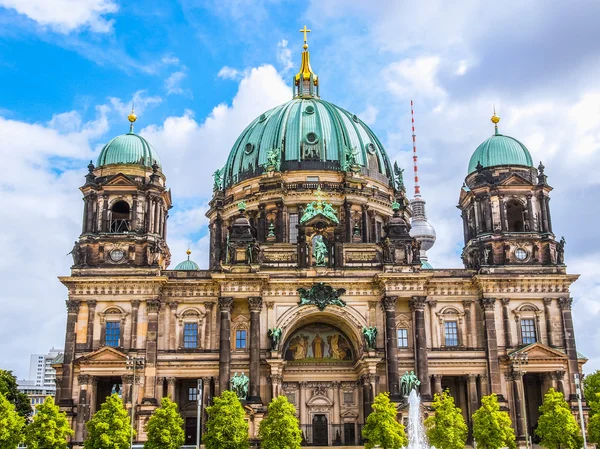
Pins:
x: 8, y: 387
x: 492, y: 429
x: 591, y: 386
x: 280, y: 430
x: 165, y: 427
x: 382, y: 428
x: 110, y: 427
x: 49, y: 428
x: 446, y: 429
x: 226, y: 427
x: 11, y: 424
x: 594, y: 422
x: 557, y: 427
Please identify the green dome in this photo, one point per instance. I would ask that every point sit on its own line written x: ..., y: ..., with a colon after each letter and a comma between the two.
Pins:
x: 309, y: 134
x: 500, y: 150
x: 128, y: 149
x: 187, y: 265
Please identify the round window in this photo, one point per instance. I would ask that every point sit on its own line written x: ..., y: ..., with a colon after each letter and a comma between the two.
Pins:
x: 309, y: 109
x: 312, y: 137
x: 117, y: 255
x: 262, y: 118
x: 370, y: 148
x: 355, y: 118
x: 249, y: 148
x: 520, y: 254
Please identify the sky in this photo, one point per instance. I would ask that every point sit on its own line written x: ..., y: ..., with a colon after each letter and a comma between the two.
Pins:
x: 198, y: 71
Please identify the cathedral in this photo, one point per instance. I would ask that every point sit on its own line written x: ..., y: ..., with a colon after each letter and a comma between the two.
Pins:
x: 318, y: 286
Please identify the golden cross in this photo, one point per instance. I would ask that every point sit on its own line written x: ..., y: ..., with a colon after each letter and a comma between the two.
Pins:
x: 305, y: 31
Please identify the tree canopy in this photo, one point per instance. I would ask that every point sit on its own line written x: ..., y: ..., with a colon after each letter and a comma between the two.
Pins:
x: 8, y: 387
x: 446, y: 429
x: 557, y: 426
x: 226, y: 427
x: 11, y: 424
x: 492, y: 428
x: 280, y: 429
x: 382, y: 428
x: 594, y: 422
x: 591, y: 386
x: 165, y: 427
x: 110, y: 427
x: 49, y: 428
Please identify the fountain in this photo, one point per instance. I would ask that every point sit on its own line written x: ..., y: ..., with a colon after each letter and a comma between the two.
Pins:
x: 416, y: 432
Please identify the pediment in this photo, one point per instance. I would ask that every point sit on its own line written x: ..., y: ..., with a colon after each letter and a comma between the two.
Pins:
x: 515, y: 180
x: 120, y: 180
x: 103, y: 355
x: 349, y: 414
x: 319, y: 400
x: 539, y: 351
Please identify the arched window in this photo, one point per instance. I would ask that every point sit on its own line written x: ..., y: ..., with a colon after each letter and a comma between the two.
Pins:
x: 120, y: 217
x: 514, y: 215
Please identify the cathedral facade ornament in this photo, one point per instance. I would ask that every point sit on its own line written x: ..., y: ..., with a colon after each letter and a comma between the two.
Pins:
x: 321, y: 295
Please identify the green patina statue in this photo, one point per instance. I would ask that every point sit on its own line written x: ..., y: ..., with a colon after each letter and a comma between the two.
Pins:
x: 321, y: 295
x: 218, y: 182
x: 319, y: 207
x: 273, y: 160
x: 370, y: 334
x: 239, y: 385
x: 319, y: 252
x: 274, y: 335
x: 408, y: 383
x: 399, y: 172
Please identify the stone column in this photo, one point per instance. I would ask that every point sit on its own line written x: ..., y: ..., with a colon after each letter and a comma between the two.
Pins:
x: 135, y: 308
x: 559, y: 379
x: 209, y: 324
x: 84, y: 222
x: 255, y: 303
x: 465, y: 227
x: 517, y: 384
x: 543, y: 204
x: 502, y: 207
x: 66, y: 390
x: 437, y: 379
x: 336, y: 402
x: 262, y: 223
x: 389, y: 305
x: 472, y: 392
x: 485, y: 386
x: 432, y: 319
x: 105, y: 224
x: 173, y: 325
x: 549, y: 336
x: 89, y: 338
x: 225, y: 309
x: 506, y: 320
x: 417, y: 304
x: 160, y: 388
x: 491, y: 340
x: 570, y: 348
x: 367, y: 395
x: 365, y: 223
x: 548, y: 213
x: 171, y: 387
x: 468, y: 322
x: 280, y: 223
x: 83, y: 409
x: 348, y: 221
x: 302, y: 405
x: 530, y: 213
x: 477, y: 210
x: 489, y: 219
x: 152, y: 308
x: 276, y: 381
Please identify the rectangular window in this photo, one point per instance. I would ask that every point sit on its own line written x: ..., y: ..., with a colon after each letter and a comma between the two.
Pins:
x: 528, y: 331
x: 192, y: 394
x: 240, y: 339
x: 190, y: 335
x: 378, y: 226
x: 312, y: 179
x: 451, y: 333
x: 293, y: 228
x: 113, y: 333
x: 403, y: 338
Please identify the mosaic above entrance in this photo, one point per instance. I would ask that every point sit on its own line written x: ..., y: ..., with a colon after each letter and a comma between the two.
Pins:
x: 318, y: 343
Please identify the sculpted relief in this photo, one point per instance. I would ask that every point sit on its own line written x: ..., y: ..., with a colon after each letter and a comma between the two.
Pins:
x: 318, y: 343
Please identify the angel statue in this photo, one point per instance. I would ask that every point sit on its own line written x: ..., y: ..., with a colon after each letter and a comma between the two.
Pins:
x: 218, y: 182
x: 399, y: 172
x: 409, y: 382
x: 274, y: 335
x: 370, y: 334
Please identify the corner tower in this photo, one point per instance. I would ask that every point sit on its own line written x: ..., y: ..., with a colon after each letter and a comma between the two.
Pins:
x: 505, y: 207
x: 126, y: 205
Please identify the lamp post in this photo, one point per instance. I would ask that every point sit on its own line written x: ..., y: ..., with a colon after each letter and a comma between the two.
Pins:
x: 199, y: 393
x: 518, y: 360
x: 578, y: 390
x: 133, y: 362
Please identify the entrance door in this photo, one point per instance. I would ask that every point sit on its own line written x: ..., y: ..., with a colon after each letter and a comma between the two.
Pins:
x: 320, y: 437
x: 190, y: 431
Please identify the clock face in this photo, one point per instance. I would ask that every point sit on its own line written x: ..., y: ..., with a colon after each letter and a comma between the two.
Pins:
x: 520, y: 254
x: 116, y: 255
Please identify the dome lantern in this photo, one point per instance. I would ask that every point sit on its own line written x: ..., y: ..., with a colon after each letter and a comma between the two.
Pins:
x: 306, y: 82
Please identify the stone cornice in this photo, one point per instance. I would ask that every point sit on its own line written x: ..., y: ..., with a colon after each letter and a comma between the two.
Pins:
x: 507, y: 284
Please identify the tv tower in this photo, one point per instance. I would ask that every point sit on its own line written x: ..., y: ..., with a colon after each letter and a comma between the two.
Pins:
x: 420, y: 227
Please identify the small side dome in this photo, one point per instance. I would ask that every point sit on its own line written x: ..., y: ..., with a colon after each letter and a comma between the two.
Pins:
x: 187, y: 265
x: 129, y: 149
x: 500, y: 150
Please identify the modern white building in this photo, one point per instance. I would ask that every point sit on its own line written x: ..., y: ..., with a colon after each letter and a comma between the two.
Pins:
x: 42, y: 377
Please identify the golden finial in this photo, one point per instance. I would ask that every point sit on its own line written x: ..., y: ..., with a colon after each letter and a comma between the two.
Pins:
x: 305, y: 77
x: 495, y: 119
x: 132, y: 118
x: 188, y: 252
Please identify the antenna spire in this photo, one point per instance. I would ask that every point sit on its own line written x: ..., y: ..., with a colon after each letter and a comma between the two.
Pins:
x: 415, y: 157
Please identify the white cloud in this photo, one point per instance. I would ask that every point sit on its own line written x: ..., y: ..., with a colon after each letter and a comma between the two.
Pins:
x: 284, y: 56
x: 170, y: 60
x: 173, y: 83
x: 140, y: 101
x: 369, y: 115
x: 462, y: 68
x: 66, y: 16
x: 229, y: 73
x: 414, y: 76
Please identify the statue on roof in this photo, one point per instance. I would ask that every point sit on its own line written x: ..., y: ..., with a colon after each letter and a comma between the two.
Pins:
x: 399, y: 177
x: 218, y: 182
x: 273, y: 160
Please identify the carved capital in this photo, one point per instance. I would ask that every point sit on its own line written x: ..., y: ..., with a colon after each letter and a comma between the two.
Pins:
x: 226, y: 304
x: 127, y: 379
x: 417, y: 302
x: 152, y: 306
x: 171, y: 381
x: 505, y: 301
x: 565, y: 303
x: 467, y: 304
x: 84, y: 379
x: 269, y: 304
x: 208, y: 305
x: 548, y: 302
x: 72, y: 306
x: 437, y: 378
x: 276, y: 379
x: 91, y: 304
x: 432, y: 304
x: 472, y: 378
x: 558, y: 375
x: 372, y: 305
x: 389, y: 303
x: 135, y: 304
x: 173, y: 305
x: 487, y: 303
x: 255, y: 303
x: 367, y: 379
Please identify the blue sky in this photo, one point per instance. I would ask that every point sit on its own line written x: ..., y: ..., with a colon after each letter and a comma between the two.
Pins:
x: 200, y: 71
